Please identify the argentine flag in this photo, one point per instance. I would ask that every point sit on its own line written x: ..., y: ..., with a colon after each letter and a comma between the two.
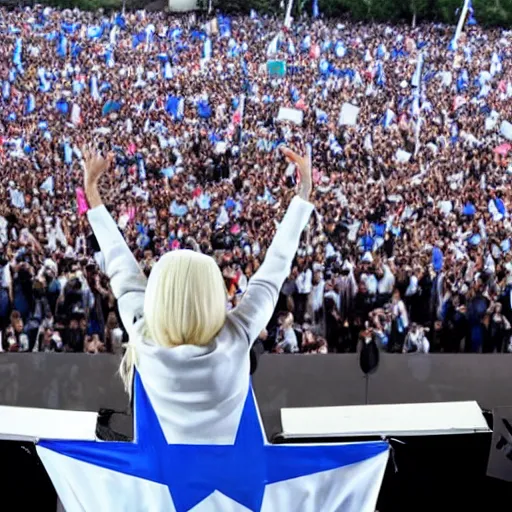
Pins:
x: 340, y: 50
x: 44, y: 84
x: 316, y: 10
x: 94, y: 88
x: 94, y: 32
x: 273, y: 46
x: 156, y: 473
x: 62, y: 46
x: 175, y: 107
x: 388, y: 118
x: 30, y: 105
x: 16, y: 57
x: 207, y: 50
x: 6, y: 90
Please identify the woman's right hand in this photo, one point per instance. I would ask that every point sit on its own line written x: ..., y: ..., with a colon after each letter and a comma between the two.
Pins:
x: 304, y: 166
x: 95, y: 166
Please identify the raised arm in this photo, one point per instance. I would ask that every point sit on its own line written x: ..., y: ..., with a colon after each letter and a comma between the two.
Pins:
x: 126, y: 278
x: 258, y: 303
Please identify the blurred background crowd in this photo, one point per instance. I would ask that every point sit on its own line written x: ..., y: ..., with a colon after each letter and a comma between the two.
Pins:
x: 410, y: 243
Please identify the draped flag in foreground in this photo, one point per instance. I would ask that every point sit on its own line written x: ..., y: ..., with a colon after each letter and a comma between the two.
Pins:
x: 249, y: 474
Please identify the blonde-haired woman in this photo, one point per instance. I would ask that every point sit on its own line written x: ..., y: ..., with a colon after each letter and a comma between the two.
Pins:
x: 191, y: 354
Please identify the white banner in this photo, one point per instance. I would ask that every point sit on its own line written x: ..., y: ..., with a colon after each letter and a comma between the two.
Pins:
x: 348, y: 115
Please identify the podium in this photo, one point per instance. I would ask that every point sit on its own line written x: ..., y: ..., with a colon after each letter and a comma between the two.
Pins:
x: 439, y: 451
x: 438, y: 460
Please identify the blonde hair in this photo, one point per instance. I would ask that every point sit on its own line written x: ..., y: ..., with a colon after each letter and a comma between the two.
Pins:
x: 184, y: 304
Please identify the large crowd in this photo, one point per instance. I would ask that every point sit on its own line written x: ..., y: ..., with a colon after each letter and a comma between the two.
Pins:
x: 410, y: 241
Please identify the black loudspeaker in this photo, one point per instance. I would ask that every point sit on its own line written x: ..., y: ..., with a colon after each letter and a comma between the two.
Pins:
x: 500, y: 456
x: 369, y: 357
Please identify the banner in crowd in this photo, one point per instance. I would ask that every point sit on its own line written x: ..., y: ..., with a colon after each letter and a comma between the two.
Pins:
x: 276, y: 68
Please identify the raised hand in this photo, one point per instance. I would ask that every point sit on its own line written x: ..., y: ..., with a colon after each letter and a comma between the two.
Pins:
x: 304, y: 166
x: 95, y: 166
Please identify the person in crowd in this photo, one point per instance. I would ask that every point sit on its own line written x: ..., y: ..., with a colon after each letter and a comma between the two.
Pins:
x: 286, y: 339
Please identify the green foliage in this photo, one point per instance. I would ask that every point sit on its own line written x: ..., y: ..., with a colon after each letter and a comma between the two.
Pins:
x: 487, y: 12
x: 493, y: 12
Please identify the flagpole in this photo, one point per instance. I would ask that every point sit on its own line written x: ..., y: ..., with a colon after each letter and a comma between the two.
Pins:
x: 462, y: 20
x: 288, y: 17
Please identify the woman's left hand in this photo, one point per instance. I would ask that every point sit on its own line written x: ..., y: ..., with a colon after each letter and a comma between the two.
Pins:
x: 95, y: 165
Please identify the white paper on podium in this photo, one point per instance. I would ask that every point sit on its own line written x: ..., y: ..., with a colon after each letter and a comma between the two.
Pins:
x: 384, y: 420
x: 506, y: 130
x: 348, y: 115
x: 28, y: 424
x: 290, y: 114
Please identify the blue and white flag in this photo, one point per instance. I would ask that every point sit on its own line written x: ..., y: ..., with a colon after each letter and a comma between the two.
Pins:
x: 306, y: 43
x: 48, y: 185
x: 291, y: 48
x: 496, y: 65
x: 141, y: 167
x: 6, y: 90
x: 94, y: 32
x: 110, y: 107
x: 468, y: 54
x: 207, y: 49
x: 273, y: 46
x: 454, y: 132
x: 471, y: 15
x: 334, y: 145
x: 380, y: 76
x: 241, y: 474
x: 416, y: 78
x: 253, y: 15
x: 109, y: 56
x: 167, y: 71
x: 120, y: 21
x: 44, y: 84
x: 16, y: 57
x: 62, y: 106
x: 381, y: 51
x: 203, y: 109
x: 462, y: 81
x: 68, y: 152
x: 321, y: 116
x: 316, y: 11
x: 168, y: 172
x: 62, y: 46
x: 69, y: 28
x: 94, y: 88
x: 323, y: 66
x: 204, y: 201
x: 175, y: 107
x: 224, y: 26
x: 30, y: 105
x: 17, y: 198
x: 388, y: 118
x: 340, y: 49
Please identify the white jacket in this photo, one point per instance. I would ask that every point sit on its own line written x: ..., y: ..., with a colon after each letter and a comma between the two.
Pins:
x: 198, y: 392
